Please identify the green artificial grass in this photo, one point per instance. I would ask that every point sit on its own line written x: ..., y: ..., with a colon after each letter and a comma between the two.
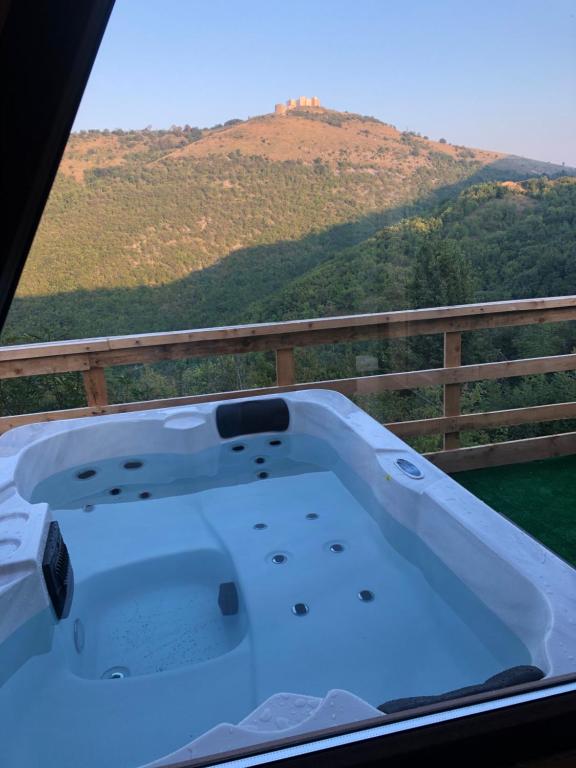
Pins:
x: 540, y: 497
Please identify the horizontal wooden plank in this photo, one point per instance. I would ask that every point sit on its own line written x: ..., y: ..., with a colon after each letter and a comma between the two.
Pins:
x: 436, y: 376
x: 316, y: 337
x: 510, y: 452
x: 433, y: 320
x: 361, y: 320
x: 14, y: 369
x: 471, y: 421
x: 53, y: 348
x: 318, y: 330
x: 461, y: 375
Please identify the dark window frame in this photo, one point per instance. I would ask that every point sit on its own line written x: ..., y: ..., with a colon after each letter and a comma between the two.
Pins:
x: 47, y: 50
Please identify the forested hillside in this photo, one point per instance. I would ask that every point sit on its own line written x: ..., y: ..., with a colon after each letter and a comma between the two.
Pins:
x: 314, y: 214
x: 185, y: 228
x: 505, y: 240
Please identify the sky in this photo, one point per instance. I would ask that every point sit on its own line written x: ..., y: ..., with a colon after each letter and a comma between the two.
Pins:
x: 494, y: 74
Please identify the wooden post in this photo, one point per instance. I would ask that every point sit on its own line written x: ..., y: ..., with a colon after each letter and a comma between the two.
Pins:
x: 452, y: 392
x: 285, y: 371
x: 95, y: 386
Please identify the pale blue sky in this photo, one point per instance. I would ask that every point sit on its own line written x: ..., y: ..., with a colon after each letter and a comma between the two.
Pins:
x: 496, y: 74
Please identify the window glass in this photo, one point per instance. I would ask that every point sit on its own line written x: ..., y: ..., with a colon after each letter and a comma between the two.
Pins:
x: 389, y: 521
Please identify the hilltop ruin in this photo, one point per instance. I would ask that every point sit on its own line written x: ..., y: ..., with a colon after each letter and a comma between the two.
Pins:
x: 302, y: 101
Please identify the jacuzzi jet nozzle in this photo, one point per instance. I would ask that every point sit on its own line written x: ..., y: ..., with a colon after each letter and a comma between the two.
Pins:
x: 116, y: 673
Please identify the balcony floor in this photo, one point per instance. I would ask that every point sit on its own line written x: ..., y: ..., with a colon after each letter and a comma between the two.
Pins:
x: 540, y: 497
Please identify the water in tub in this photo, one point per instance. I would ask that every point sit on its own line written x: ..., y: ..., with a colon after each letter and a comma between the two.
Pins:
x: 207, y: 583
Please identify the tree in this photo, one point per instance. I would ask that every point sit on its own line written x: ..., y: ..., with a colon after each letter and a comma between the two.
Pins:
x: 442, y: 274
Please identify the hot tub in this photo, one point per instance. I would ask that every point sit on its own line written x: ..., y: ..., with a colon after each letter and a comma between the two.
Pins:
x: 247, y: 571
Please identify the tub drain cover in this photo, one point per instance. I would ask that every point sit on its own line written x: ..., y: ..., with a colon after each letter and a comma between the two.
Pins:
x: 57, y: 571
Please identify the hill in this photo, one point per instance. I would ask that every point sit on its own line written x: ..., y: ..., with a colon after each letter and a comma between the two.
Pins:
x: 225, y: 216
x: 340, y: 139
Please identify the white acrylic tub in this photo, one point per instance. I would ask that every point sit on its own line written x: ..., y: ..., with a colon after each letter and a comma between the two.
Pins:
x: 360, y: 573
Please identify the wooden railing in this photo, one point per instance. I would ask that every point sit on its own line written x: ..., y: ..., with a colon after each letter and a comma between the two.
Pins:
x: 92, y: 356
